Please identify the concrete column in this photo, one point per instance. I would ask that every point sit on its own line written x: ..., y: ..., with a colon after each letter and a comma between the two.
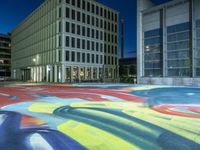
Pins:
x: 97, y: 73
x: 63, y: 73
x: 79, y: 78
x: 55, y: 73
x: 85, y: 73
x: 47, y: 74
x: 71, y: 74
x: 92, y: 73
x: 51, y: 73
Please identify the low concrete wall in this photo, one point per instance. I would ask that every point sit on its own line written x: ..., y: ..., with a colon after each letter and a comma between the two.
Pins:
x: 170, y: 81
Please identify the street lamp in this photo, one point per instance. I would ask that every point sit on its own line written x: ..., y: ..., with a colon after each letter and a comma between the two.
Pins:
x: 34, y: 60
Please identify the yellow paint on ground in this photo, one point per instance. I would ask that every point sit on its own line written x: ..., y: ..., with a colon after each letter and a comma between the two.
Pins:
x: 44, y: 107
x: 94, y: 138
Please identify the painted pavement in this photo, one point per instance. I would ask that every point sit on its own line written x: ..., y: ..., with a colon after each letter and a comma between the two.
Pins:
x: 99, y: 117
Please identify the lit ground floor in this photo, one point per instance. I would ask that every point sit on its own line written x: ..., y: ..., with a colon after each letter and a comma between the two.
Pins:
x: 66, y: 73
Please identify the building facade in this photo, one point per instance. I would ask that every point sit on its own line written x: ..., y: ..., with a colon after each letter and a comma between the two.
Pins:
x: 168, y: 38
x: 5, y: 56
x: 67, y: 41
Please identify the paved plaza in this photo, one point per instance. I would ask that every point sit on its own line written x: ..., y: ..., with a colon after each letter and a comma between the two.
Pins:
x: 99, y: 117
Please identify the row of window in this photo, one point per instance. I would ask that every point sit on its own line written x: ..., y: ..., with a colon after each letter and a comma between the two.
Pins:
x: 91, y: 33
x: 178, y: 50
x: 89, y: 45
x: 152, y: 53
x: 95, y: 9
x: 90, y: 20
x: 88, y: 58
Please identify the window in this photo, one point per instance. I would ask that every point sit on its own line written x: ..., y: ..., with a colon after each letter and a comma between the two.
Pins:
x: 105, y: 37
x: 105, y: 13
x: 88, y: 6
x: 152, y: 53
x: 83, y: 31
x: 83, y: 4
x: 93, y: 20
x: 115, y: 50
x: 97, y: 22
x: 101, y: 47
x: 116, y: 41
x: 178, y: 48
x: 67, y: 13
x: 78, y: 57
x: 88, y: 32
x: 73, y: 14
x: 97, y: 34
x: 59, y: 27
x: 97, y: 10
x: 73, y: 28
x: 105, y: 48
x: 88, y: 58
x: 92, y: 58
x: 78, y: 16
x: 105, y: 25
x: 88, y: 45
x: 59, y: 55
x: 66, y: 55
x: 92, y: 8
x: 73, y: 42
x: 101, y: 23
x: 101, y: 59
x: 67, y: 27
x: 97, y: 59
x: 93, y: 45
x: 73, y: 56
x: 112, y: 16
x: 101, y: 12
x: 83, y: 57
x: 78, y: 3
x: 67, y: 41
x: 78, y: 43
x: 108, y: 26
x: 59, y: 41
x: 83, y: 17
x: 73, y: 2
x: 67, y: 1
x: 88, y: 19
x: 78, y: 29
x: 108, y: 14
x: 83, y: 44
x: 97, y: 46
x: 101, y: 35
x: 92, y: 33
x: 116, y: 17
x: 60, y: 13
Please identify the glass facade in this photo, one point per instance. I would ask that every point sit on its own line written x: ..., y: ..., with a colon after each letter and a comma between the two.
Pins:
x: 197, y: 54
x: 178, y: 50
x: 153, y: 53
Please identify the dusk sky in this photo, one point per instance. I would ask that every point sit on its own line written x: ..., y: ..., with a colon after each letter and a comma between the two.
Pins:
x: 12, y: 12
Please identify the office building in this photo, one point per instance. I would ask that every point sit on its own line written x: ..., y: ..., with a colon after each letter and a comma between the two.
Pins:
x: 67, y: 41
x: 168, y: 40
x: 5, y: 56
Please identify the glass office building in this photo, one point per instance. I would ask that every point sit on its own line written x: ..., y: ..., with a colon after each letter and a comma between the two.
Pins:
x: 67, y: 41
x: 168, y: 40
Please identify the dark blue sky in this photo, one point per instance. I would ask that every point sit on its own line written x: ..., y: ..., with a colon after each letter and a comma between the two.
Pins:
x: 12, y: 12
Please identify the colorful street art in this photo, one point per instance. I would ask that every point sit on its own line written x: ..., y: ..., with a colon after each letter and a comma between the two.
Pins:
x: 99, y: 117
